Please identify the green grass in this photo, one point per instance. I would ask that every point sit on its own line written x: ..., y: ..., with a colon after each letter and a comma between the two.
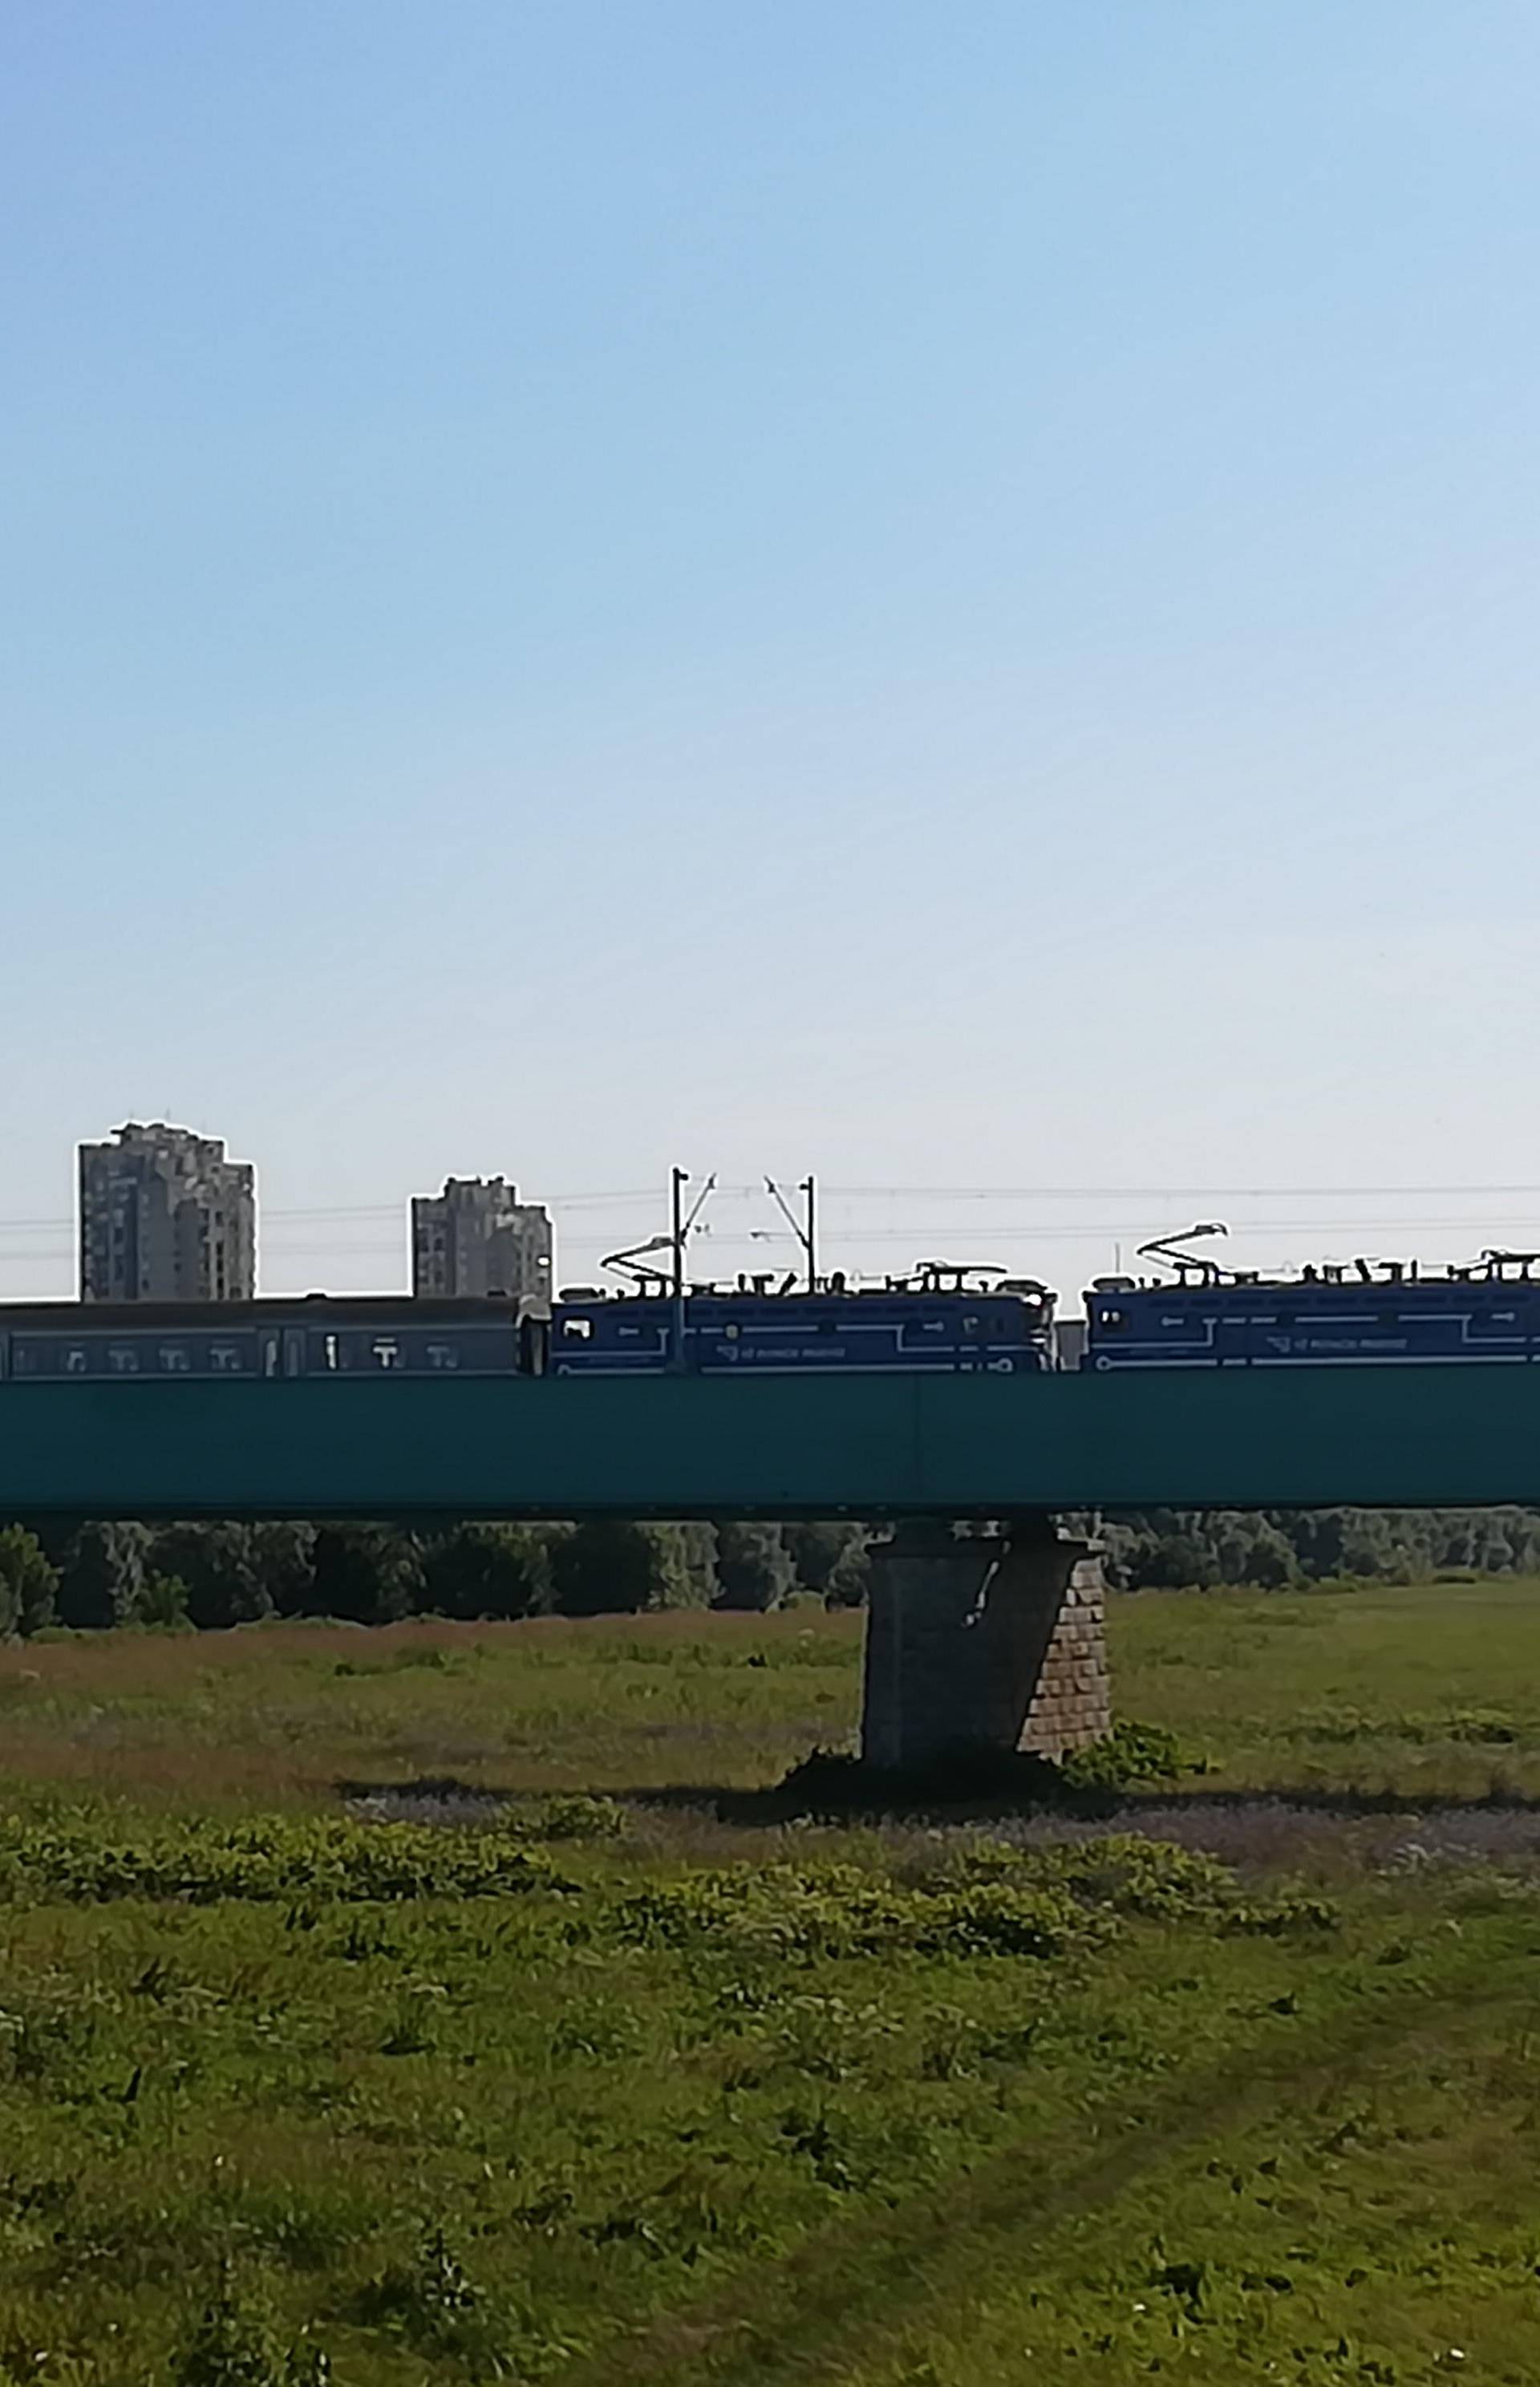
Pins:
x: 623, y: 2092
x: 1424, y: 1691
x: 279, y: 1715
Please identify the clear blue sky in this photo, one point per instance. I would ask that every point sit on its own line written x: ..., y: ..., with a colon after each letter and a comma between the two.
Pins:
x: 945, y: 594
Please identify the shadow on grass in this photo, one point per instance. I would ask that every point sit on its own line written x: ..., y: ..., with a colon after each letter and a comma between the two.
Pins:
x: 836, y: 1790
x: 781, y: 1804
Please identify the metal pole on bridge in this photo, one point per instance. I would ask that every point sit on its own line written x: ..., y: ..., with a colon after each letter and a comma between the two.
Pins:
x: 807, y: 1233
x: 678, y: 1180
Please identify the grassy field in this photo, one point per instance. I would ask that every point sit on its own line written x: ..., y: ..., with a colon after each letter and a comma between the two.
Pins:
x: 1424, y: 1692
x: 317, y: 2062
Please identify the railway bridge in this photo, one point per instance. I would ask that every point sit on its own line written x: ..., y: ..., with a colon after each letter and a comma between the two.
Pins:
x: 986, y: 1620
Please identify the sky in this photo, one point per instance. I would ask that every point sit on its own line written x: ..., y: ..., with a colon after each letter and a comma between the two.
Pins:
x: 939, y: 595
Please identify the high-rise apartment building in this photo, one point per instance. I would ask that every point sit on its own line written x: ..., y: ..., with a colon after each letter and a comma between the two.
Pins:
x: 165, y: 1217
x: 477, y: 1237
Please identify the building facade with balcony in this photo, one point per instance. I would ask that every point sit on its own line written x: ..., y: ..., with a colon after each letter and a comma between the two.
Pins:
x: 477, y: 1238
x: 165, y: 1216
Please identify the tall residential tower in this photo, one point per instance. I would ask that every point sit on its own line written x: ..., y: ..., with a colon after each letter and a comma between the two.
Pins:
x: 165, y: 1217
x: 477, y: 1237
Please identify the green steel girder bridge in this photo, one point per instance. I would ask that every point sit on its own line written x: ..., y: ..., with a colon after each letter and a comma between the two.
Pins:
x: 1402, y: 1435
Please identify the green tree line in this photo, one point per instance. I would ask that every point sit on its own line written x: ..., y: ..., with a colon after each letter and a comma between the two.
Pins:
x: 1165, y: 1548
x: 89, y: 1574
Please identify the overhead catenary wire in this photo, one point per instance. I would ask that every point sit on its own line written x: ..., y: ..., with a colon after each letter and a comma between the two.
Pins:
x: 1037, y: 1228
x: 874, y: 1217
x: 1207, y: 1191
x: 63, y: 1223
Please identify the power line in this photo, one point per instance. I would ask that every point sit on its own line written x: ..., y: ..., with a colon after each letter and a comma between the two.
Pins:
x: 1181, y: 1193
x: 1059, y: 1230
x: 1204, y: 1190
x: 1067, y: 1230
x: 1040, y: 1229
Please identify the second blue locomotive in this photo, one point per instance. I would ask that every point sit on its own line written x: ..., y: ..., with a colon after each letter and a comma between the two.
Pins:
x: 1383, y: 1314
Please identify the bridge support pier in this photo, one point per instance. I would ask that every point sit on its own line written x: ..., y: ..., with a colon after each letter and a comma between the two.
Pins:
x: 982, y: 1641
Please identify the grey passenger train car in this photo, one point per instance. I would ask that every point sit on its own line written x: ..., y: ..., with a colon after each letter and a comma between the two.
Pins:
x: 318, y: 1335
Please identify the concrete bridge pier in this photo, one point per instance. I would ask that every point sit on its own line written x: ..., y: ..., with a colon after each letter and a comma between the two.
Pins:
x: 983, y: 1640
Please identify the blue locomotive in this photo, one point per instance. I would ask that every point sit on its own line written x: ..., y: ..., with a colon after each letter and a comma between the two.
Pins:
x: 946, y: 1320
x: 1381, y: 1313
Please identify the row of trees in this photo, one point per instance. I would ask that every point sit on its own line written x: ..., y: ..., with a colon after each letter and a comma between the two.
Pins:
x: 91, y: 1574
x: 1166, y: 1547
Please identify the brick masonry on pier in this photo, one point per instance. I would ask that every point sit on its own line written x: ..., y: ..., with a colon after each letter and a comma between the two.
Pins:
x: 1071, y: 1701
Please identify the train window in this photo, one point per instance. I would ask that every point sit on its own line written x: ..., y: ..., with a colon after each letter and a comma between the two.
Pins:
x: 577, y: 1329
x: 174, y: 1359
x: 1112, y: 1322
x: 387, y: 1353
x: 970, y: 1325
x: 224, y: 1359
x: 75, y: 1362
x: 124, y: 1360
x: 443, y: 1355
x: 732, y: 1331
